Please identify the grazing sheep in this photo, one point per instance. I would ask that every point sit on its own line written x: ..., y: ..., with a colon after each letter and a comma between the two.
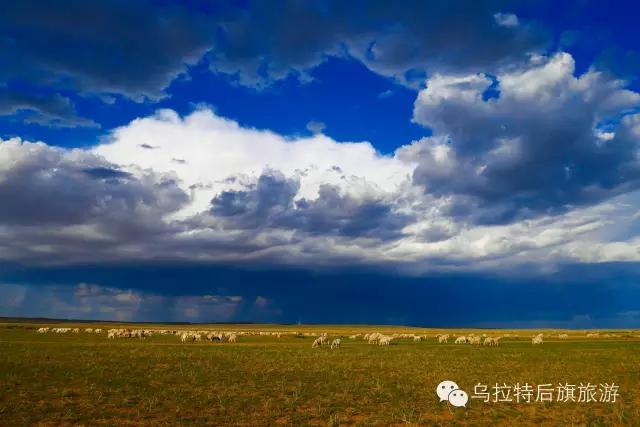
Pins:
x: 335, y: 343
x: 492, y: 341
x: 537, y: 339
x: 563, y: 336
x: 213, y: 336
x: 461, y: 340
x: 417, y: 338
x: 384, y: 340
x: 443, y: 339
x: 232, y: 338
x: 317, y: 343
x: 374, y: 338
x: 190, y: 336
x: 474, y: 340
x: 43, y: 330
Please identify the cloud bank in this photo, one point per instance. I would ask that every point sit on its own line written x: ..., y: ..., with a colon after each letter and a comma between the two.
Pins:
x: 115, y: 50
x: 542, y: 172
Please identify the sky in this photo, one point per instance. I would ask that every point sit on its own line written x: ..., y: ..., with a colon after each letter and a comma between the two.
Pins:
x: 462, y: 163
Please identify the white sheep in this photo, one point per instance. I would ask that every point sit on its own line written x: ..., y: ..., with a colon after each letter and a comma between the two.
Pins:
x: 214, y: 336
x: 474, y: 340
x: 335, y: 343
x: 537, y: 339
x: 190, y: 336
x: 384, y: 340
x: 461, y: 340
x: 442, y: 339
x: 491, y: 341
x: 374, y: 337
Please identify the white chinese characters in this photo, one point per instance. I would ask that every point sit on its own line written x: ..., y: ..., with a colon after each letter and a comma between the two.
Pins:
x: 561, y: 393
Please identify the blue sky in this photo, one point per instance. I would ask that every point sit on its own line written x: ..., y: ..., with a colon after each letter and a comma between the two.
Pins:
x: 434, y: 163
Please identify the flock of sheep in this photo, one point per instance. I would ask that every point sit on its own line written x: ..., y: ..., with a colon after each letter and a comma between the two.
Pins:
x: 320, y: 340
x: 384, y: 340
x: 68, y: 330
x: 323, y: 339
x: 184, y: 335
x: 471, y: 339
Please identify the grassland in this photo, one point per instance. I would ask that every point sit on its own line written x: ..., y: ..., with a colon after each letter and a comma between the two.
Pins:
x: 85, y: 379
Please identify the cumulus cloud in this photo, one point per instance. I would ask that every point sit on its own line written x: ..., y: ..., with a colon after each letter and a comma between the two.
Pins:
x: 104, y: 47
x: 506, y: 19
x: 316, y: 127
x: 400, y: 41
x: 269, y: 203
x: 51, y: 109
x: 538, y: 147
x: 247, y: 196
x: 136, y: 51
x: 114, y: 50
x: 53, y: 197
x: 217, y: 154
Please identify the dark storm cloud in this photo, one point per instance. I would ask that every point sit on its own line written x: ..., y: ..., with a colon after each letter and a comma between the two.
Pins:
x: 43, y: 185
x: 136, y: 49
x: 106, y: 173
x: 45, y: 109
x: 396, y: 39
x: 575, y: 296
x: 548, y: 141
x: 58, y: 205
x: 113, y: 46
x: 270, y: 204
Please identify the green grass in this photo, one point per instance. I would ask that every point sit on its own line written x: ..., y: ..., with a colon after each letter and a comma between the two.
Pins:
x: 85, y: 379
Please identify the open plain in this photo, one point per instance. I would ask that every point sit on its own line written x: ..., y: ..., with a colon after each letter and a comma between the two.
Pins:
x: 271, y: 375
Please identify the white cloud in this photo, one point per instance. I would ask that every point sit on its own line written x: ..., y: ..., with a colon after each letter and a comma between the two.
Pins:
x: 217, y: 154
x: 529, y: 142
x: 506, y: 19
x: 316, y: 127
x: 203, y: 188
